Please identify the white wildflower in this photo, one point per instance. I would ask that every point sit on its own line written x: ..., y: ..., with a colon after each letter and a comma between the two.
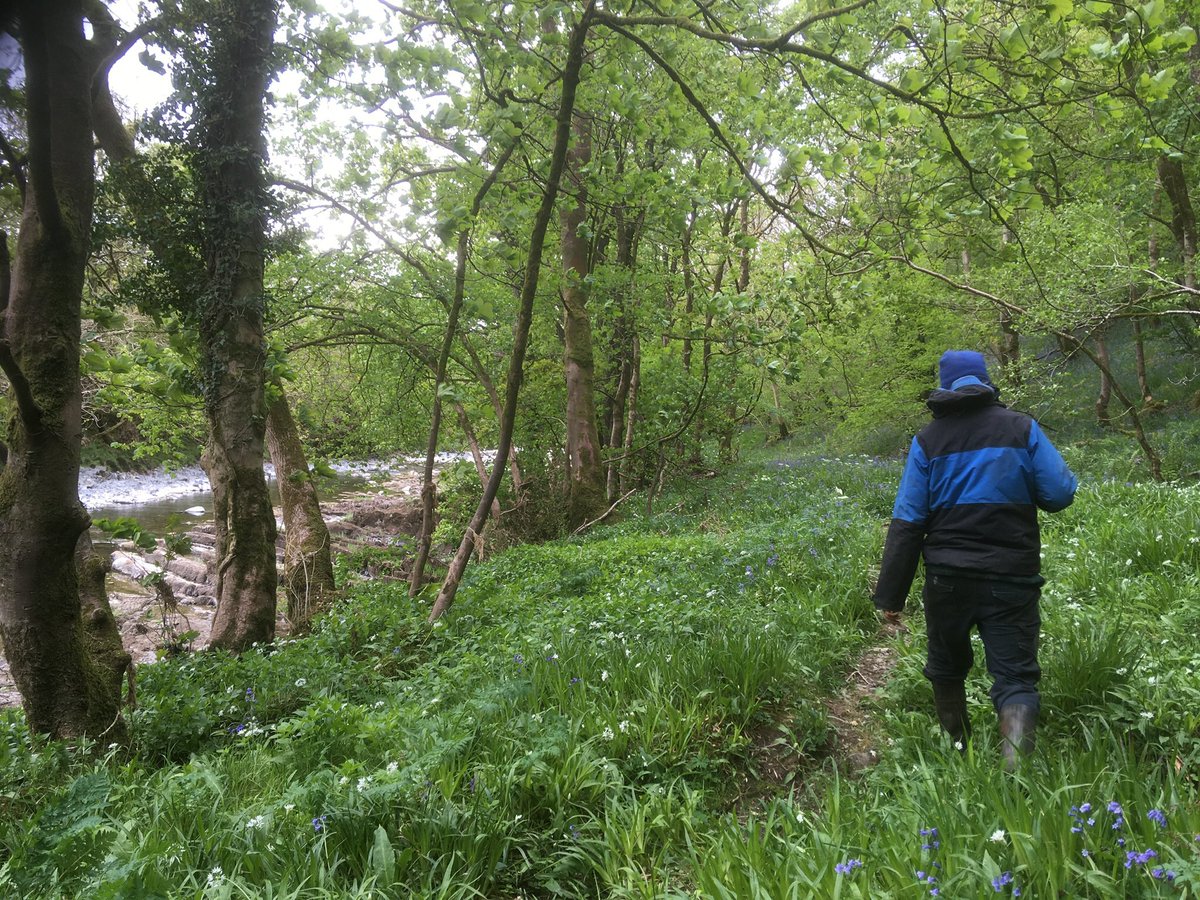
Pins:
x: 624, y: 726
x: 604, y: 675
x: 257, y: 822
x: 301, y: 682
x: 998, y: 836
x: 608, y: 734
x: 393, y: 768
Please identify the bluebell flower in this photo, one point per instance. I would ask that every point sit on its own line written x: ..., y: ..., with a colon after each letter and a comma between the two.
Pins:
x: 318, y: 824
x: 999, y: 882
x: 1133, y: 858
x: 1158, y: 817
x: 845, y: 868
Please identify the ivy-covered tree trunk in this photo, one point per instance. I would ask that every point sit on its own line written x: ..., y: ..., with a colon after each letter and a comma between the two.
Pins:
x: 585, y: 472
x: 307, y: 556
x: 65, y: 693
x: 113, y: 665
x: 231, y: 120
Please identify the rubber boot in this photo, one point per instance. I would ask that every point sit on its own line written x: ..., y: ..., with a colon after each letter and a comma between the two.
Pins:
x: 950, y: 704
x: 1018, y: 724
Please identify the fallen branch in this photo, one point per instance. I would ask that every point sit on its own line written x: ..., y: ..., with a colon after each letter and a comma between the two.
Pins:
x: 604, y: 515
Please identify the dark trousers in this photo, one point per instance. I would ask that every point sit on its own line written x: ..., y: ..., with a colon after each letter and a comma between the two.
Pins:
x: 1008, y: 620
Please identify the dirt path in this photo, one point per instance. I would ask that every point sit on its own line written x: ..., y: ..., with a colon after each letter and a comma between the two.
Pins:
x: 855, y: 734
x: 775, y: 768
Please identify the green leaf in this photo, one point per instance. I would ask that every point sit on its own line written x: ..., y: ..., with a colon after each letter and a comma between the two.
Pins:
x: 1013, y: 41
x: 382, y: 857
x: 1157, y: 86
x: 1057, y: 10
x: 151, y: 62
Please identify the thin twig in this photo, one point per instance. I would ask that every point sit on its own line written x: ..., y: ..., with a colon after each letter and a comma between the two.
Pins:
x: 603, y: 515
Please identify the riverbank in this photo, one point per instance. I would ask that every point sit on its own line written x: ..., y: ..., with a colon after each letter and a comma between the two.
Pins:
x: 372, y: 503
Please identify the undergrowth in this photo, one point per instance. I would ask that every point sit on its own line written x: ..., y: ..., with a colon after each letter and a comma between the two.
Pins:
x: 585, y: 724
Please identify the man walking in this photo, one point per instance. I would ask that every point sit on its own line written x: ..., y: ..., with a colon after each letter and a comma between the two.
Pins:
x: 973, y: 483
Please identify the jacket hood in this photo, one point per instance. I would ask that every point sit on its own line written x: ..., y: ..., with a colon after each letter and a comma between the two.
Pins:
x: 967, y: 398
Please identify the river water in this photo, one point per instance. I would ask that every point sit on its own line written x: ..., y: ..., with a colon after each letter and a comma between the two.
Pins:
x: 162, y: 501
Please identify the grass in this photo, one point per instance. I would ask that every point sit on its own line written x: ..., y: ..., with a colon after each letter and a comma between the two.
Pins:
x: 587, y: 723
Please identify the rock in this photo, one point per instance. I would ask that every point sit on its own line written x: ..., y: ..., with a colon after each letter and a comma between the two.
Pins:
x: 183, y: 588
x: 132, y: 566
x: 195, y: 510
x: 189, y: 570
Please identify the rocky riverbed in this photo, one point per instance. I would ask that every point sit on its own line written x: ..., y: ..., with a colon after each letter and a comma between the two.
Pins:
x: 378, y: 512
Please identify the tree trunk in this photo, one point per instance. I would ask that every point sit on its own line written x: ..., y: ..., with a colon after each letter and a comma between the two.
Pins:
x: 231, y: 116
x: 1105, y: 395
x: 66, y: 691
x: 631, y: 415
x: 307, y: 554
x: 624, y: 348
x: 689, y: 296
x: 1139, y: 359
x: 780, y: 421
x: 533, y: 265
x: 102, y: 637
x: 1139, y: 342
x: 585, y: 472
x: 1010, y: 339
x: 476, y: 454
x: 1183, y: 217
x: 428, y: 490
x: 514, y: 468
x: 619, y: 400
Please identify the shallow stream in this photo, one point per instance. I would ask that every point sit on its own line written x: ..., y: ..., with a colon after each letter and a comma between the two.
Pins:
x: 162, y: 501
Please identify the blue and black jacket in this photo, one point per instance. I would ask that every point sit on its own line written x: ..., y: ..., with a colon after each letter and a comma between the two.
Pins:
x: 975, y: 478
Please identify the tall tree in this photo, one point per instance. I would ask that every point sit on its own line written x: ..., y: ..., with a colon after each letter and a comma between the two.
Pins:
x: 66, y: 692
x: 308, y: 561
x: 231, y: 76
x: 566, y: 109
x: 585, y: 473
